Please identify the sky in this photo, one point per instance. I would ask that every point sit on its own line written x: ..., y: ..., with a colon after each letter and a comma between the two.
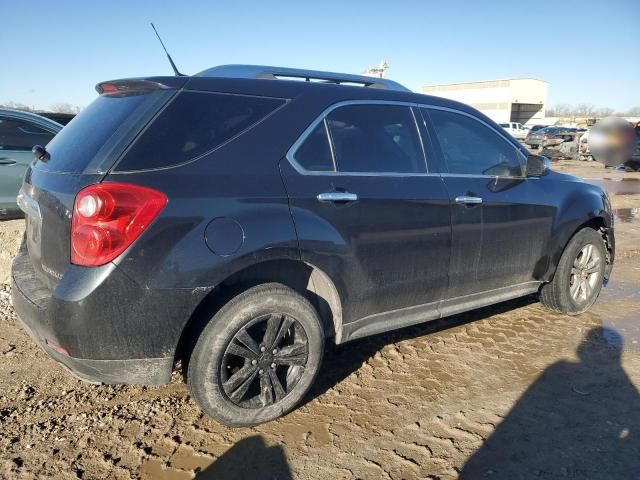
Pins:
x: 55, y: 52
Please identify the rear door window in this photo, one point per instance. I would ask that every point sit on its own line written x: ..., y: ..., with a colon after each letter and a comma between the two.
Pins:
x: 376, y: 139
x: 193, y: 124
x: 16, y: 134
x: 471, y: 148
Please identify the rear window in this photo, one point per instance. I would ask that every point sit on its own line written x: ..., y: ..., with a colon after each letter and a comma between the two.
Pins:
x: 92, y: 141
x: 193, y: 124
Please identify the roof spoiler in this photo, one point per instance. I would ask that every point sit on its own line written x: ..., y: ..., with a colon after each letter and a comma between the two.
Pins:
x: 275, y: 73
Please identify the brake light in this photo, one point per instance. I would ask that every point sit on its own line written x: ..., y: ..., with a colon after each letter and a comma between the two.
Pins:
x: 108, y: 217
x: 108, y: 88
x: 546, y: 137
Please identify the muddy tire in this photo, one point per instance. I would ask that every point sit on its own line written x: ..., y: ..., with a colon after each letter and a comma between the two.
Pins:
x: 578, y: 279
x: 257, y: 357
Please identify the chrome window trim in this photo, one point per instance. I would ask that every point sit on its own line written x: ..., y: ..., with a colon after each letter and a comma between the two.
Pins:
x: 322, y: 118
x: 290, y: 156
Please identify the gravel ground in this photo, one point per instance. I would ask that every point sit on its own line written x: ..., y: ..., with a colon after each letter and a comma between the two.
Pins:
x: 506, y: 392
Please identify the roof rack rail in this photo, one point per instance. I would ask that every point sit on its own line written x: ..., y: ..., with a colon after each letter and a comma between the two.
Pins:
x: 275, y: 73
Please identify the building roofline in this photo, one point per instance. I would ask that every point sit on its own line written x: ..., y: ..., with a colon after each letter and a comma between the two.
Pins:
x: 485, y: 81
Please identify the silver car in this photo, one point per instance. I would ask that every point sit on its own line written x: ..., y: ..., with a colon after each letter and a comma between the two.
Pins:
x: 19, y: 132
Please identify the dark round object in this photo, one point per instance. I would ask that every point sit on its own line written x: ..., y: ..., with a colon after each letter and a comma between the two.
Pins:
x: 578, y: 279
x: 257, y: 357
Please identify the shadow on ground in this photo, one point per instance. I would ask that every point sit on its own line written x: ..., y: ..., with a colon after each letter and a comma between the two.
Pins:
x: 577, y: 420
x: 249, y: 459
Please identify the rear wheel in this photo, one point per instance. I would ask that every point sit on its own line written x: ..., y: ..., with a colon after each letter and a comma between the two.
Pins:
x: 578, y: 279
x: 257, y: 357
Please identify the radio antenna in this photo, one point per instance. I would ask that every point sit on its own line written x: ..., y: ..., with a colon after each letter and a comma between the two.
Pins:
x: 173, y: 65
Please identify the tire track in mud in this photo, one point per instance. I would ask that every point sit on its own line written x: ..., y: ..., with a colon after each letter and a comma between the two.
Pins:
x: 416, y: 403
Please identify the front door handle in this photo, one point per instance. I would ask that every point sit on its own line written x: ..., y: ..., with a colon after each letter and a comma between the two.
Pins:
x: 7, y: 161
x: 468, y: 200
x: 337, y: 197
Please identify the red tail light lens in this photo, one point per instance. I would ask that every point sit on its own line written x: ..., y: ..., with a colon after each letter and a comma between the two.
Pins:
x: 108, y: 217
x: 546, y: 137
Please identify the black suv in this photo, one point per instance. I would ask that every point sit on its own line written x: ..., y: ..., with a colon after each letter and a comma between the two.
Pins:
x: 237, y: 219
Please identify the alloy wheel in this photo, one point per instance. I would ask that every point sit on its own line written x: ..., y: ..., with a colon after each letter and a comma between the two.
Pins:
x: 585, y: 273
x: 264, y: 361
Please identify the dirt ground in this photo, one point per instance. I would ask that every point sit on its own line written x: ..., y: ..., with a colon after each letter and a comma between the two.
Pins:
x: 506, y: 392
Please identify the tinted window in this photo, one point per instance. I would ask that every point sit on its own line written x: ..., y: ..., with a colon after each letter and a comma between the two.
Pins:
x: 195, y: 123
x: 504, y: 125
x: 22, y: 135
x: 376, y: 138
x: 92, y: 133
x: 470, y: 147
x: 315, y: 153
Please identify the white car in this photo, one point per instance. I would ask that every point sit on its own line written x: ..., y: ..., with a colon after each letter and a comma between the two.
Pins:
x: 517, y: 130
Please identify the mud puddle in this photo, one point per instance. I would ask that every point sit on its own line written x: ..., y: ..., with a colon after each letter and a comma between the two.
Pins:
x: 621, y: 187
x: 617, y: 186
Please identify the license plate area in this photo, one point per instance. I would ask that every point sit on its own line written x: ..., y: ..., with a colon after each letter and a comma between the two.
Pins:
x: 33, y: 220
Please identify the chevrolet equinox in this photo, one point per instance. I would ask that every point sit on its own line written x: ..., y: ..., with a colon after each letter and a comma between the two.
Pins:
x: 237, y: 219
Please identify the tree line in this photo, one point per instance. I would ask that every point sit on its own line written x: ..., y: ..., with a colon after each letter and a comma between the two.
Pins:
x: 587, y: 110
x: 55, y: 108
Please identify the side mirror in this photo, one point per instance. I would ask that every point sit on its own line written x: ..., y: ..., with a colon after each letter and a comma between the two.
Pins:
x: 537, y: 165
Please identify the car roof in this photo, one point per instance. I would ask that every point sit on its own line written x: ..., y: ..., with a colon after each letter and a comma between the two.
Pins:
x: 279, y: 82
x: 22, y: 115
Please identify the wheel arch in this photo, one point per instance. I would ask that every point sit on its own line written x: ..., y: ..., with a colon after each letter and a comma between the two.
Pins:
x: 305, y: 278
x: 597, y: 223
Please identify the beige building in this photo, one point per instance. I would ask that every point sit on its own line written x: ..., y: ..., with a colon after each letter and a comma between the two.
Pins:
x: 520, y: 100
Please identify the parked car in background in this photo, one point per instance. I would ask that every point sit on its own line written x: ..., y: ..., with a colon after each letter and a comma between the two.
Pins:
x: 517, y: 130
x: 535, y: 128
x: 236, y: 220
x: 564, y: 144
x: 61, y: 118
x: 19, y: 132
x: 634, y: 162
x: 535, y: 139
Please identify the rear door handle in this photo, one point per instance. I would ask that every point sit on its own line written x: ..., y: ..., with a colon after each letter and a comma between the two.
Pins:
x: 337, y: 197
x: 7, y: 161
x: 468, y: 200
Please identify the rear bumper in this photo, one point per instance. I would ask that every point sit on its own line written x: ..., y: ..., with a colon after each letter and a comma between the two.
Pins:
x: 146, y: 371
x: 113, y: 331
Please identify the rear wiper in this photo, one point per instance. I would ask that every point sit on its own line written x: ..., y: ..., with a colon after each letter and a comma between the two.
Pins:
x: 40, y: 153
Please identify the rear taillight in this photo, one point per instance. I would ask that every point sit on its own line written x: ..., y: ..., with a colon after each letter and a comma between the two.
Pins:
x: 108, y: 217
x: 546, y: 137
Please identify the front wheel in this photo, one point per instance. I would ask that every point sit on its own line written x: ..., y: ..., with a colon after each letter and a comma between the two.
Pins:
x: 578, y: 279
x: 257, y: 357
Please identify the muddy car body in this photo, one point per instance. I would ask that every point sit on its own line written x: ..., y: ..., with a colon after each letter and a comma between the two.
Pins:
x: 236, y: 219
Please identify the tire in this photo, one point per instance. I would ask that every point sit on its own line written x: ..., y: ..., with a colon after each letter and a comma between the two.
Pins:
x: 563, y: 294
x: 220, y: 361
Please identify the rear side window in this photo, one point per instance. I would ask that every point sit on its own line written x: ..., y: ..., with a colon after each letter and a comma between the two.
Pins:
x: 18, y: 134
x: 471, y: 148
x: 315, y: 152
x: 376, y: 139
x: 195, y: 123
